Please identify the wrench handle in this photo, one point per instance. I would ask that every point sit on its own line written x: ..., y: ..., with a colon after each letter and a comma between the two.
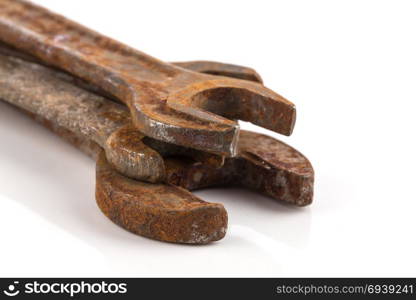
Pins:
x: 45, y: 93
x: 77, y: 49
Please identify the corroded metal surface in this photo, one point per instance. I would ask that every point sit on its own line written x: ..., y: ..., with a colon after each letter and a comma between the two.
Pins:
x: 275, y: 169
x: 263, y: 164
x: 159, y: 211
x: 166, y: 102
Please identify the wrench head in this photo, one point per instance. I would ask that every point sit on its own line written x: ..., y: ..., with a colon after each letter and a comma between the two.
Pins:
x: 169, y: 212
x: 126, y: 152
x: 263, y: 164
x: 202, y: 114
x: 158, y: 211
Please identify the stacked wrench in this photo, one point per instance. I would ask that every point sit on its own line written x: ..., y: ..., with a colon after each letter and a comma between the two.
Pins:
x: 166, y: 102
x: 168, y: 139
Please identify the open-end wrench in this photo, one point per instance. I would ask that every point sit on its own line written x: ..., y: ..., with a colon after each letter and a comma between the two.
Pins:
x: 166, y: 102
x: 205, y: 67
x: 165, y: 211
x: 33, y: 88
x: 160, y: 211
x: 170, y: 213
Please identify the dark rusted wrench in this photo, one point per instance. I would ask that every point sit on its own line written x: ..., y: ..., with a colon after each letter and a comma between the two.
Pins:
x: 33, y: 88
x: 164, y: 211
x: 167, y: 102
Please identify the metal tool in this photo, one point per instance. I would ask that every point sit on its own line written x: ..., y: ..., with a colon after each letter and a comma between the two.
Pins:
x: 167, y: 102
x: 163, y: 211
x: 105, y: 122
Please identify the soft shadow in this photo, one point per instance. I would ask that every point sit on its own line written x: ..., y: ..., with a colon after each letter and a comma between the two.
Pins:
x: 281, y: 221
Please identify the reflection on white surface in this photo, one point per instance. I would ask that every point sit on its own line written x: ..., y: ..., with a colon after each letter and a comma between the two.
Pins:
x: 275, y: 249
x: 33, y: 246
x: 245, y: 207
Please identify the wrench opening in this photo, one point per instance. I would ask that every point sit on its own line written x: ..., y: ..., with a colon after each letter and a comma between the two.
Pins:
x: 236, y: 99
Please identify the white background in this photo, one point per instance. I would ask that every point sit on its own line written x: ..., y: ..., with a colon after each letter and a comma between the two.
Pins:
x: 349, y: 66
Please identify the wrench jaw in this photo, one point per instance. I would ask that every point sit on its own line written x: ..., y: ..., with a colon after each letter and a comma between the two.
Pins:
x: 275, y: 169
x: 171, y: 150
x: 222, y: 101
x: 202, y: 115
x: 142, y: 158
x: 221, y: 69
x: 158, y: 211
x: 128, y: 155
x: 235, y: 99
x: 263, y: 164
x: 210, y: 133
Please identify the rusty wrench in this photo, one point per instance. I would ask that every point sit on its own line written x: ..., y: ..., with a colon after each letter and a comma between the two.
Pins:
x: 166, y: 102
x: 167, y: 212
x: 105, y: 122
